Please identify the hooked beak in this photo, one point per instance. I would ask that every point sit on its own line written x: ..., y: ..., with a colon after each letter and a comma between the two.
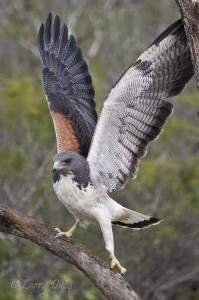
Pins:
x: 58, y: 165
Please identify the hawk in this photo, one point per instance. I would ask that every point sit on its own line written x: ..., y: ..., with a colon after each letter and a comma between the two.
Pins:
x: 96, y: 157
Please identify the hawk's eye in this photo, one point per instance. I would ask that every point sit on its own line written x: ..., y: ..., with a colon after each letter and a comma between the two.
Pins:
x: 67, y: 161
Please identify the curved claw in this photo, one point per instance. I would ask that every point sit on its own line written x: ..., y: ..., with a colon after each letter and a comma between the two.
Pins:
x: 115, y: 262
x: 67, y: 233
x: 62, y: 233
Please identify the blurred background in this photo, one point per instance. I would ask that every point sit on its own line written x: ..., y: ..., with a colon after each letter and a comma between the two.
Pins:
x: 163, y: 261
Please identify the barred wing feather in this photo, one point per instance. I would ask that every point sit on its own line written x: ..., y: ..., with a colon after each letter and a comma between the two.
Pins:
x: 135, y: 111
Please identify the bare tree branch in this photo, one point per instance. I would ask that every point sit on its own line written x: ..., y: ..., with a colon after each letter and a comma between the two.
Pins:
x: 111, y: 284
x: 189, y: 10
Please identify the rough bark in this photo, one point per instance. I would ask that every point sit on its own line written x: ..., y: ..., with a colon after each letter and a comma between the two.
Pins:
x: 111, y: 283
x: 189, y: 10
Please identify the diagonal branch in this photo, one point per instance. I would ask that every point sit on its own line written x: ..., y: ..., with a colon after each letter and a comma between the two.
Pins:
x: 111, y: 284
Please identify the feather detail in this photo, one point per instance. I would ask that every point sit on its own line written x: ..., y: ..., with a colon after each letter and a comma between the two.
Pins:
x: 135, y: 111
x: 68, y: 87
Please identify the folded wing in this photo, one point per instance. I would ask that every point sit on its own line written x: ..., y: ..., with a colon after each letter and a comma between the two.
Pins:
x: 68, y: 88
x: 135, y: 112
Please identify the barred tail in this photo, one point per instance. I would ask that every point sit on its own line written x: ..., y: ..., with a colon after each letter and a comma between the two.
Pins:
x: 135, y: 220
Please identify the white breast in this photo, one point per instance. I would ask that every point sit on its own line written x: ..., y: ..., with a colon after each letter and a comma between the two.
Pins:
x: 78, y: 201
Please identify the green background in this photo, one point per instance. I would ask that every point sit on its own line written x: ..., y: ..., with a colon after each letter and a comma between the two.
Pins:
x: 162, y: 261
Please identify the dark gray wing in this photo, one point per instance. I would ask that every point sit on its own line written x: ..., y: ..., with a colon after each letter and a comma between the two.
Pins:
x: 135, y: 111
x: 68, y: 88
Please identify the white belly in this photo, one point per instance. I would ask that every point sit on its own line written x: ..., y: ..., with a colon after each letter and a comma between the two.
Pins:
x: 79, y: 202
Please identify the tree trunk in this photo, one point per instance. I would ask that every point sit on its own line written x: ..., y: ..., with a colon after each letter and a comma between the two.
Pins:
x: 111, y: 284
x: 189, y: 10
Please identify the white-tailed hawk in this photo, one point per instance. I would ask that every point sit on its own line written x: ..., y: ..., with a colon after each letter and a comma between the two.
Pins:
x: 97, y: 157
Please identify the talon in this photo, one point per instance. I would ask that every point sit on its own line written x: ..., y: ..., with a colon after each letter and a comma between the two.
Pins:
x: 62, y: 233
x: 122, y: 271
x: 67, y: 233
x: 115, y: 262
x: 57, y: 229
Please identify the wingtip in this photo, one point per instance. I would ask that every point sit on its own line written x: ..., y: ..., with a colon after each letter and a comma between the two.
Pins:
x: 56, y: 29
x: 172, y: 29
x: 57, y: 22
x: 47, y: 30
x: 49, y: 16
x: 64, y: 29
x: 57, y: 19
x: 49, y: 20
x: 41, y: 45
x: 41, y: 32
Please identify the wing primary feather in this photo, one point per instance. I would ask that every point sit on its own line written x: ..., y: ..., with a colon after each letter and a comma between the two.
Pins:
x: 63, y: 38
x: 68, y: 48
x: 41, y: 42
x: 56, y: 30
x: 48, y: 31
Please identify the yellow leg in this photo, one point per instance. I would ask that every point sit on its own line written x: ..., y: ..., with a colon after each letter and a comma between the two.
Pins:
x: 67, y: 233
x: 115, y: 262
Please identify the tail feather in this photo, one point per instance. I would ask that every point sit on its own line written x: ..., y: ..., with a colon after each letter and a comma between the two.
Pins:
x: 135, y: 220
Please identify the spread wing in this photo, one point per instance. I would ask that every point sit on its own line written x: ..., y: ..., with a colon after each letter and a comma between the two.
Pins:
x: 68, y: 88
x: 135, y: 111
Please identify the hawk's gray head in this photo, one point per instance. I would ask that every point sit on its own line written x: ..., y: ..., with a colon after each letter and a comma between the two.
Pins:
x: 69, y: 163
